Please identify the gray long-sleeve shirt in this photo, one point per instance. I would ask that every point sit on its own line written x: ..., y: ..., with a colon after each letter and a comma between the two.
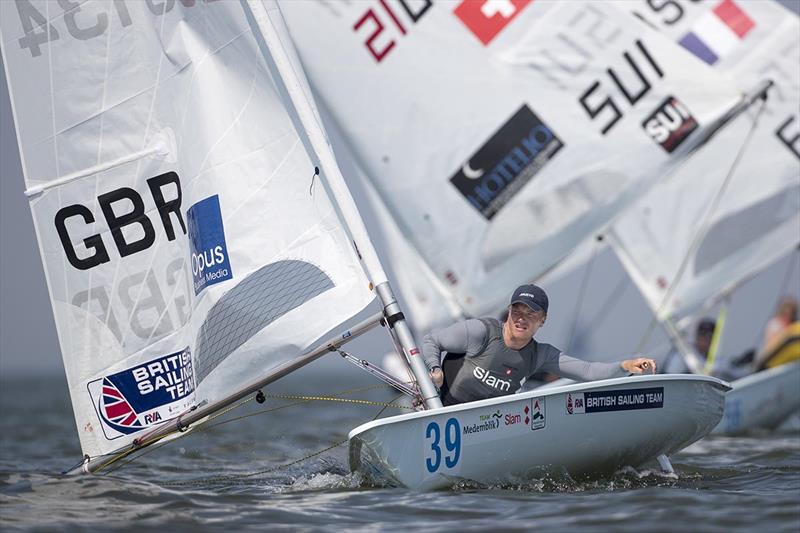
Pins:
x: 493, y: 369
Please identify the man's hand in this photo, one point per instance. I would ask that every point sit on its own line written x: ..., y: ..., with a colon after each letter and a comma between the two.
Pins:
x: 642, y: 365
x: 438, y: 377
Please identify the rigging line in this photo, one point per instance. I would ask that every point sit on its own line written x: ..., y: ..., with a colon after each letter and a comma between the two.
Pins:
x: 204, y: 427
x: 579, y: 303
x: 702, y: 228
x: 611, y: 301
x: 234, y: 477
x: 787, y: 278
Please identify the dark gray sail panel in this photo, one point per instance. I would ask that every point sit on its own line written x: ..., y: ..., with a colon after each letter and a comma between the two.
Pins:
x: 262, y: 297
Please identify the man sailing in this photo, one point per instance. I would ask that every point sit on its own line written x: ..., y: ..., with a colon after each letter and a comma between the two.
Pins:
x: 497, y: 356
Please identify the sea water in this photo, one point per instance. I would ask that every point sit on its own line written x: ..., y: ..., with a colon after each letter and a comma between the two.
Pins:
x: 251, y: 470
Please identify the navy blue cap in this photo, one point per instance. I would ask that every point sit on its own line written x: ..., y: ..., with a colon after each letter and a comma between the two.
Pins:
x: 706, y: 327
x: 532, y: 296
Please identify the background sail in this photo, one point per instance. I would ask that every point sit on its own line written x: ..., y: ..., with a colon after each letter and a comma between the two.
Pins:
x: 185, y: 248
x: 757, y: 220
x: 502, y: 134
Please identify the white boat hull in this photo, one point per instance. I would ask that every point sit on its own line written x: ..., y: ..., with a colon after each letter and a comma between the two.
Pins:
x: 584, y: 428
x: 761, y: 401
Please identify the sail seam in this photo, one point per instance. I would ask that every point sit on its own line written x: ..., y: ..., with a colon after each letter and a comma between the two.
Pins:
x: 91, y: 171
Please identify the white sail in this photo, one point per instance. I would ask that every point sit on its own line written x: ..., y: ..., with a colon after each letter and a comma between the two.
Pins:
x: 500, y: 134
x: 696, y: 236
x: 428, y: 302
x: 186, y: 246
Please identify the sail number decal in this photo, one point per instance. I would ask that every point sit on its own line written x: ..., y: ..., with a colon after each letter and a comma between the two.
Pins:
x: 162, y: 186
x: 82, y: 22
x: 608, y: 106
x: 451, y: 441
x: 374, y: 26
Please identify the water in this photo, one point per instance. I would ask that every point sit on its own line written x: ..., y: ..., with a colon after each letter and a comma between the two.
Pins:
x: 723, y: 484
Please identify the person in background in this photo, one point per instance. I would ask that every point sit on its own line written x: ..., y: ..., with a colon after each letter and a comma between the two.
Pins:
x: 704, y: 333
x: 499, y: 356
x: 781, y: 337
x: 784, y: 316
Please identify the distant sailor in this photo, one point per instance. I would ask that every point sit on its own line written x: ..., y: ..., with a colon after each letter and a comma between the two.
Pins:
x: 497, y: 356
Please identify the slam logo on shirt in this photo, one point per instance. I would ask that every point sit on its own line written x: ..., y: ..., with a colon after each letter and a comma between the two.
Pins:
x: 670, y: 124
x: 209, y: 261
x: 144, y: 395
x: 510, y: 158
x: 487, y: 18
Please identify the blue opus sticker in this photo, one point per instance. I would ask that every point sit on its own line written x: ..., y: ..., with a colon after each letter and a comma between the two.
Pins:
x: 210, y: 262
x: 615, y: 400
x: 144, y: 395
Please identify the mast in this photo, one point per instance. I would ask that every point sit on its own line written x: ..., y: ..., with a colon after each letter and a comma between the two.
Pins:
x: 267, y: 23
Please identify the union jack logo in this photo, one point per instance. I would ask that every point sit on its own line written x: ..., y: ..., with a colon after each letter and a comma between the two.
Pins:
x: 116, y: 410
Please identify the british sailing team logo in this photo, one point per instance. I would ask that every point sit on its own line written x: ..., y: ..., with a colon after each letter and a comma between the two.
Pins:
x: 144, y: 395
x: 116, y: 411
x: 513, y: 155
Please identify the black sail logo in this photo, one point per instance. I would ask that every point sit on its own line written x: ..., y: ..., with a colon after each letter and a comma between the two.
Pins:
x: 670, y: 124
x: 506, y: 162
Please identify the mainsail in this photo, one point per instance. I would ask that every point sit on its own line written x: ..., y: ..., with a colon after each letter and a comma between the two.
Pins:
x: 699, y: 234
x: 189, y: 245
x: 501, y: 134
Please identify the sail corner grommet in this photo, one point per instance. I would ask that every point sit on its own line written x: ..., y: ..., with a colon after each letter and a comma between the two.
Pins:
x: 260, y: 398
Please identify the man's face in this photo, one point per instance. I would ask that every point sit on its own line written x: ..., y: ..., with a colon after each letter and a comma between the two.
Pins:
x: 524, y: 322
x: 703, y: 343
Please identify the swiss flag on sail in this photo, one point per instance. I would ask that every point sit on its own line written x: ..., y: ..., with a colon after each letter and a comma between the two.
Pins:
x: 486, y: 18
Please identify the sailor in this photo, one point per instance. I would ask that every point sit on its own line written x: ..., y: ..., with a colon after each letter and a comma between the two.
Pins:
x: 497, y: 356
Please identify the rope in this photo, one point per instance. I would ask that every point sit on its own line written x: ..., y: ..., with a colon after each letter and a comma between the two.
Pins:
x: 701, y: 231
x: 604, y: 311
x: 787, y: 278
x: 204, y: 427
x: 237, y: 477
x: 579, y: 303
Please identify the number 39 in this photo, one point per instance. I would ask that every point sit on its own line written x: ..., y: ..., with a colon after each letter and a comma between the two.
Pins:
x: 452, y: 443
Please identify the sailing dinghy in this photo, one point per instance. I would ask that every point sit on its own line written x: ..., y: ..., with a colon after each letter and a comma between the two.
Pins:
x: 579, y: 429
x: 198, y: 239
x: 761, y: 401
x: 691, y: 243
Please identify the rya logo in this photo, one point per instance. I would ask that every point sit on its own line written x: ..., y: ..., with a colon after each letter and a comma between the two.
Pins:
x: 670, y: 124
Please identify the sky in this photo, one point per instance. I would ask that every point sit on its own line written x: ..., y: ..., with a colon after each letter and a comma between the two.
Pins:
x: 29, y: 345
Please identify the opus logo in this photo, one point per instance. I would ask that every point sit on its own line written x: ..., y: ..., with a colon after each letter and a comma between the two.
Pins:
x: 670, y: 124
x: 144, y: 395
x: 509, y: 159
x: 210, y: 262
x: 487, y: 18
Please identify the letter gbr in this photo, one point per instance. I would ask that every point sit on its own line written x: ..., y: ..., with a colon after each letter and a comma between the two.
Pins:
x: 122, y: 208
